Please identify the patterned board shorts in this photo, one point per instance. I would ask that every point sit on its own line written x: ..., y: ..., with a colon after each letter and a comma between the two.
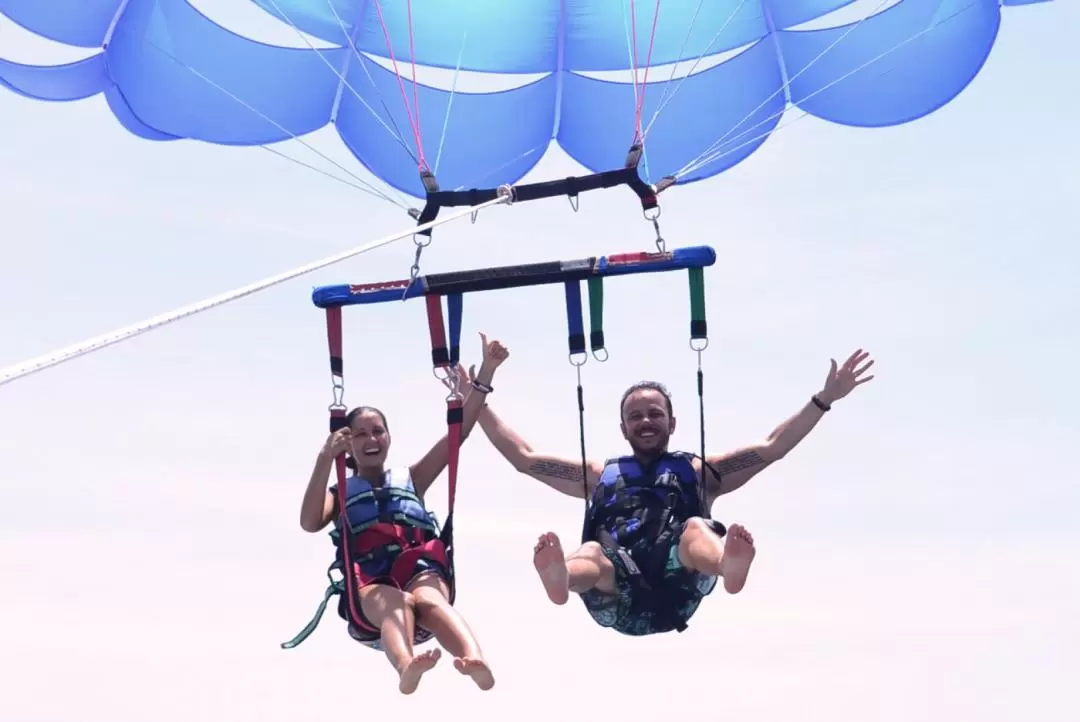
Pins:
x: 617, y: 610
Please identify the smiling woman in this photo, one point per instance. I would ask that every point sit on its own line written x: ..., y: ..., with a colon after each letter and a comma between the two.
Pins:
x: 400, y: 588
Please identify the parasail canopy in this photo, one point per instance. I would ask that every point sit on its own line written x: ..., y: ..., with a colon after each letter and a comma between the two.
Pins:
x: 705, y: 81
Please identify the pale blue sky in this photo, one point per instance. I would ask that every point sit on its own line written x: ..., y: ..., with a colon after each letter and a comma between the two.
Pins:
x: 917, y: 554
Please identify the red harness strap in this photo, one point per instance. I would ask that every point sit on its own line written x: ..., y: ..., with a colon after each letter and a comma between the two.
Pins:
x: 413, y: 549
x: 411, y: 541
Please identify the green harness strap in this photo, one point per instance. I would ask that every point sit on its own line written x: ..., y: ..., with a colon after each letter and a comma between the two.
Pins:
x: 335, y: 588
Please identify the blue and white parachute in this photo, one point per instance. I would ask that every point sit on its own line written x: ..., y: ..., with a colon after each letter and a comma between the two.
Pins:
x: 169, y: 72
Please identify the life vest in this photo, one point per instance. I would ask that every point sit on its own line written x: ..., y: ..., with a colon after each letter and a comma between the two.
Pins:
x: 384, y: 522
x: 379, y: 525
x: 632, y: 505
x: 634, y: 509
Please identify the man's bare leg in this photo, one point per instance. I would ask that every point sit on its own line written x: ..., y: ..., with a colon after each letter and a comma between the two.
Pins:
x: 585, y: 569
x: 702, y: 550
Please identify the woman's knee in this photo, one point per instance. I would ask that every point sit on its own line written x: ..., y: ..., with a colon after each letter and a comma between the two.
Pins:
x: 429, y: 593
x: 382, y: 601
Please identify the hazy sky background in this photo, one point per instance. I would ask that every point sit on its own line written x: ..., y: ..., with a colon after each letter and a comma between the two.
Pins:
x: 917, y: 555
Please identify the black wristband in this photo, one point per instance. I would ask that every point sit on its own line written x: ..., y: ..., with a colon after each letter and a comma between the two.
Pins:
x: 819, y: 403
x: 482, y: 387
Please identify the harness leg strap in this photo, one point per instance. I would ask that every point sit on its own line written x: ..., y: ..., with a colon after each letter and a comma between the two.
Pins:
x: 332, y: 591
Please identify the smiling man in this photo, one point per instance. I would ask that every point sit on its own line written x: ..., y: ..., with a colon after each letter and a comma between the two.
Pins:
x: 649, y: 551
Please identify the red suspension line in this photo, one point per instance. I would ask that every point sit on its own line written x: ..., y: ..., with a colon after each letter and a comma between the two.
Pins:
x: 640, y: 100
x: 413, y: 122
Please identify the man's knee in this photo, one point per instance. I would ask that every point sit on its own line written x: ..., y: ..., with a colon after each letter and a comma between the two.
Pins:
x: 692, y: 554
x: 592, y: 551
x: 696, y: 525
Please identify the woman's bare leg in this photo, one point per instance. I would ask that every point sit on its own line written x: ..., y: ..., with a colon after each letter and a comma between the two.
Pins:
x: 435, y: 613
x: 392, y: 611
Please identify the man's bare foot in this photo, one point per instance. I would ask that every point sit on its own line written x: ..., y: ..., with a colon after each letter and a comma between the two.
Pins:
x: 477, y: 669
x: 414, y: 670
x: 550, y: 562
x: 738, y: 554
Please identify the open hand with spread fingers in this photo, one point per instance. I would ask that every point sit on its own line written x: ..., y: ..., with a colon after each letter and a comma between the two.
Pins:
x: 842, y: 381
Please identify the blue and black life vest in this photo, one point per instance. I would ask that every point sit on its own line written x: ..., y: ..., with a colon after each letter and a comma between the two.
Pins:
x: 634, y: 510
x: 380, y: 519
x: 634, y: 504
x: 387, y: 531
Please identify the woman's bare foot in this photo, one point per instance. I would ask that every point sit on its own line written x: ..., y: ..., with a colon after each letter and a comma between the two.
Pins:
x: 477, y: 669
x: 414, y: 670
x: 550, y: 563
x: 738, y: 554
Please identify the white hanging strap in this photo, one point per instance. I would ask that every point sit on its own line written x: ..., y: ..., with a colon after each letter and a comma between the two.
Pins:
x: 49, y: 360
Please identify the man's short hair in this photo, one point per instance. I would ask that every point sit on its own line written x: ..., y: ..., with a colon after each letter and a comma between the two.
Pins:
x: 647, y: 386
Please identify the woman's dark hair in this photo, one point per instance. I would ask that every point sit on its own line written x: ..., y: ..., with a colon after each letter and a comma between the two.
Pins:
x: 350, y: 417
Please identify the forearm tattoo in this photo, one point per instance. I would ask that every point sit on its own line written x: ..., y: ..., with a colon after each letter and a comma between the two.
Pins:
x: 557, y: 470
x: 738, y: 462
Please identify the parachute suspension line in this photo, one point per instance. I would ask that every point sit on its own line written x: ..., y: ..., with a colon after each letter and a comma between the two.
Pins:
x: 718, y: 154
x: 320, y: 171
x: 576, y: 340
x: 474, y: 182
x: 445, y: 357
x: 784, y: 87
x: 372, y: 190
x: 363, y: 65
x: 54, y: 358
x: 637, y: 155
x: 450, y: 104
x: 639, y: 95
x: 414, y: 120
x: 699, y: 341
x: 421, y: 238
x: 664, y: 97
x: 395, y: 133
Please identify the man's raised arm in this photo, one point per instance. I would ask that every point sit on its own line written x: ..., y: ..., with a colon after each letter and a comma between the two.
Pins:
x: 560, y: 474
x: 738, y: 467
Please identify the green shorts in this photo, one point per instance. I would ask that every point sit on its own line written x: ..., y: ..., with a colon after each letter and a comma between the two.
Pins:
x: 627, y: 612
